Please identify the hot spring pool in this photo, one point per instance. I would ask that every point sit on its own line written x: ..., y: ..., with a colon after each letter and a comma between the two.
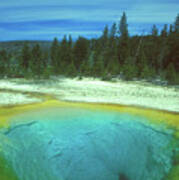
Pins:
x: 80, y: 144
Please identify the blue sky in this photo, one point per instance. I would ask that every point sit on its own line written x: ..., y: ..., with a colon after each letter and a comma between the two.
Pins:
x: 46, y: 19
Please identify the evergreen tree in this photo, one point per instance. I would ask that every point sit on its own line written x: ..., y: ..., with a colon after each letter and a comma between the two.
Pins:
x: 173, y: 50
x: 98, y: 68
x: 155, y: 48
x: 81, y: 48
x: 85, y: 68
x: 129, y: 69
x: 164, y: 32
x: 71, y: 70
x: 70, y: 41
x: 171, y: 74
x: 113, y: 66
x: 70, y: 50
x: 45, y: 57
x: 91, y: 59
x: 64, y: 55
x: 113, y: 39
x: 66, y: 52
x: 113, y: 31
x: 37, y: 61
x: 123, y: 50
x: 25, y: 58
x: 111, y: 63
x: 176, y: 24
x: 123, y: 27
x: 104, y: 46
x: 154, y: 31
x: 104, y: 38
x: 171, y: 29
x: 3, y: 63
x: 142, y: 60
x: 144, y: 70
x: 164, y: 49
x: 54, y: 54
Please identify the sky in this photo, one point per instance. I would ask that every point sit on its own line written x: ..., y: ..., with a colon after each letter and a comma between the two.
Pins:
x: 46, y: 19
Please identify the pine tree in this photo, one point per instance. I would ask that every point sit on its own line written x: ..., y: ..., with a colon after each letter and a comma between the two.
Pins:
x: 113, y: 31
x: 173, y: 48
x: 3, y: 63
x: 81, y: 48
x: 171, y: 29
x: 45, y: 57
x: 113, y: 64
x: 64, y: 55
x: 70, y: 41
x: 46, y: 64
x: 129, y: 69
x: 71, y: 70
x: 164, y: 32
x: 98, y: 67
x: 123, y: 27
x: 25, y: 58
x: 37, y: 61
x: 164, y: 49
x: 176, y: 24
x: 103, y: 48
x: 145, y: 71
x: 104, y: 38
x: 154, y: 31
x: 123, y: 49
x: 54, y: 55
x: 85, y: 68
x: 171, y: 75
x: 155, y: 48
x: 91, y: 59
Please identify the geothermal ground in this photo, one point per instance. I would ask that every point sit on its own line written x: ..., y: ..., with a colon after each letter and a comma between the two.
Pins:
x: 135, y: 93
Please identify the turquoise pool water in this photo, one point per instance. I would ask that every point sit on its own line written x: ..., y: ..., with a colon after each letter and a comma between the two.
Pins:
x: 81, y: 144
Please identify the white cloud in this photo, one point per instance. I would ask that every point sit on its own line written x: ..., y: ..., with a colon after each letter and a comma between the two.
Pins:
x: 154, y: 13
x: 138, y: 11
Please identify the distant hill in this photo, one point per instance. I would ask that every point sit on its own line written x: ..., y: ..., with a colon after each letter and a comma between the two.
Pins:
x: 16, y: 46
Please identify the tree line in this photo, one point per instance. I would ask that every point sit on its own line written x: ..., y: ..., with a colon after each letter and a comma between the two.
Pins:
x: 114, y: 54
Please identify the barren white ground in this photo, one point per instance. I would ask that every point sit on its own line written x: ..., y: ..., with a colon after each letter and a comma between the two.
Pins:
x: 92, y: 90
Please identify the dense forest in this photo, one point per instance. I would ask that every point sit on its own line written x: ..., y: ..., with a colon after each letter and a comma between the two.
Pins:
x: 114, y: 54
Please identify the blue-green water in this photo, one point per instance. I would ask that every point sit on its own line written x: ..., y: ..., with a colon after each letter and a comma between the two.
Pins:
x: 77, y: 144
